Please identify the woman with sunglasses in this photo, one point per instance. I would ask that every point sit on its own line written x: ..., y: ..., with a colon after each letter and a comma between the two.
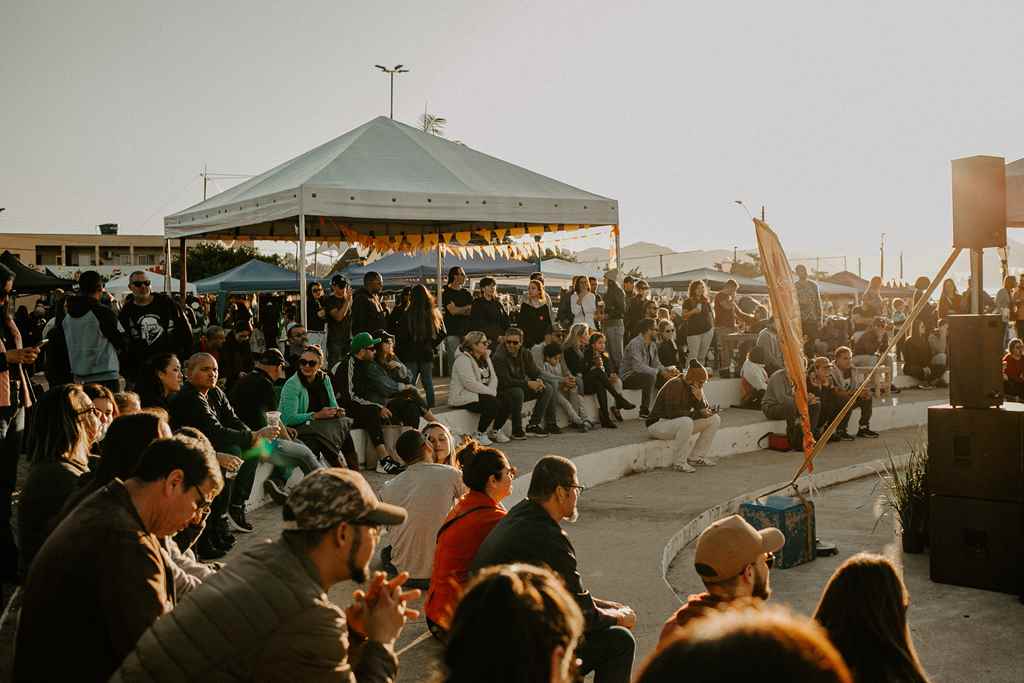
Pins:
x: 65, y: 424
x: 103, y: 399
x: 309, y: 406
x: 487, y: 474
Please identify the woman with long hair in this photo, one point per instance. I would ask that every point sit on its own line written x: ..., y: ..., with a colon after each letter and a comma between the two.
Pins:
x: 474, y: 387
x: 700, y: 322
x: 535, y: 639
x: 419, y: 332
x: 316, y: 314
x: 103, y: 399
x: 871, y: 299
x: 535, y: 314
x: 440, y: 439
x: 600, y: 377
x: 309, y: 406
x: 390, y: 384
x: 64, y: 426
x: 160, y: 379
x: 583, y: 303
x: 573, y: 348
x: 949, y: 299
x: 864, y: 609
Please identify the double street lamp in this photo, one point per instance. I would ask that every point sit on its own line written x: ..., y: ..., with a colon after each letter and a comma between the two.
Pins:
x: 397, y: 69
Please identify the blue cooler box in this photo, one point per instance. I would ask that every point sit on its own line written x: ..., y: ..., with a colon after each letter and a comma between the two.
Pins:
x: 794, y: 517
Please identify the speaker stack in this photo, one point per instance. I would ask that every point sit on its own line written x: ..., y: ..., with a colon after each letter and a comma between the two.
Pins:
x: 976, y: 443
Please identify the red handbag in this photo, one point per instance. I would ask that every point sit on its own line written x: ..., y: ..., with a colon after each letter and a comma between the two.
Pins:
x: 776, y: 442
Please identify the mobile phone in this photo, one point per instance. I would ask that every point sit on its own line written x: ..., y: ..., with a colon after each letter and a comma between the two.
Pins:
x: 42, y: 344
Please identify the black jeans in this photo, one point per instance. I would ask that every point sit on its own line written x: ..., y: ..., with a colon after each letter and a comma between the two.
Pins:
x: 367, y: 416
x: 543, y: 409
x: 608, y: 652
x: 491, y: 411
x: 12, y: 429
x: 597, y: 382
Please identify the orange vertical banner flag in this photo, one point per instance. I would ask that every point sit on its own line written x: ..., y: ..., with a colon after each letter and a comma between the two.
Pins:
x: 786, y: 312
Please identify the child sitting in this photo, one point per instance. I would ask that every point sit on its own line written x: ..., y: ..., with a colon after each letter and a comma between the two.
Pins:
x: 555, y: 373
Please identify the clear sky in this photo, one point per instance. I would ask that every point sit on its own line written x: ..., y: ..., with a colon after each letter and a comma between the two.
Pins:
x: 840, y: 117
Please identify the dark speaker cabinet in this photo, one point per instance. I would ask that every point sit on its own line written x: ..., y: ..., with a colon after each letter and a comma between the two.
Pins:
x: 977, y: 452
x: 979, y: 202
x: 975, y: 360
x: 977, y: 543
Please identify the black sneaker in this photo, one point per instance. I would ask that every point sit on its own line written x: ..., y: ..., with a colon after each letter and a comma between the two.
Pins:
x: 844, y: 435
x: 207, y: 550
x: 237, y: 520
x: 536, y: 430
x: 518, y: 436
x: 866, y: 433
x: 388, y: 465
x: 222, y: 535
x: 623, y: 404
x: 553, y: 429
x: 617, y: 414
x: 275, y: 491
x: 644, y: 414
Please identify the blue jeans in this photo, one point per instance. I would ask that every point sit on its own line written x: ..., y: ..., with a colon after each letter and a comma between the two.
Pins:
x: 424, y: 370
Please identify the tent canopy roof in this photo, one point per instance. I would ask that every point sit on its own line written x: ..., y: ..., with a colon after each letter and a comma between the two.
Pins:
x: 715, y: 279
x: 252, y: 276
x: 28, y: 281
x: 119, y: 285
x: 424, y: 265
x: 389, y: 178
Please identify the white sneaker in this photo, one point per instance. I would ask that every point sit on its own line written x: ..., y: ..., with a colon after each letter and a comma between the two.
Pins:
x: 482, y: 438
x: 498, y: 436
x: 684, y: 467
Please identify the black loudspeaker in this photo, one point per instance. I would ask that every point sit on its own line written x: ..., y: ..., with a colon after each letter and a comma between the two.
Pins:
x: 977, y: 452
x: 975, y: 360
x: 979, y: 202
x: 977, y: 543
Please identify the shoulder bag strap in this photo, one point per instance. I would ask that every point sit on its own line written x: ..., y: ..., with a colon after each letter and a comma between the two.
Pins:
x: 455, y: 519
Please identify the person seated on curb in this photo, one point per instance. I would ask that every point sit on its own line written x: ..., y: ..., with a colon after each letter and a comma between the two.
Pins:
x: 819, y: 383
x: 489, y: 476
x: 332, y: 519
x: 1013, y: 370
x: 531, y: 533
x: 474, y: 387
x: 573, y: 349
x: 554, y: 373
x: 779, y: 403
x: 236, y: 355
x: 365, y: 414
x: 101, y: 579
x: 768, y: 342
x: 253, y: 396
x: 519, y: 381
x: 535, y: 639
x: 201, y: 404
x: 754, y: 379
x: 641, y: 366
x: 864, y: 610
x: 843, y: 388
x: 870, y: 345
x: 600, y: 378
x: 766, y: 644
x: 734, y: 561
x: 680, y: 410
x: 427, y: 491
x: 554, y: 335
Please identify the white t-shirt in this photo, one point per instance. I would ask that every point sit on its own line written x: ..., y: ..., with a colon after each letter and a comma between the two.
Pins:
x: 427, y: 491
x: 583, y: 311
x: 755, y: 374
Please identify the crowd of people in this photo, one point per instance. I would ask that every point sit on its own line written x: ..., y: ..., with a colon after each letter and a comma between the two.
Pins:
x: 145, y: 449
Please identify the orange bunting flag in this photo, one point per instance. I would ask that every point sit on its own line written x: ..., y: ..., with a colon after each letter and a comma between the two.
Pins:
x: 786, y: 314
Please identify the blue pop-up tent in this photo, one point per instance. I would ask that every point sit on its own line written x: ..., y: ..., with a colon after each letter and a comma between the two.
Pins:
x: 252, y: 276
x: 412, y: 267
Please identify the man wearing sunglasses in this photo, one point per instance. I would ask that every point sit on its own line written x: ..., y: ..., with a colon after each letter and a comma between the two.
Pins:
x: 519, y: 381
x: 733, y: 560
x: 154, y: 324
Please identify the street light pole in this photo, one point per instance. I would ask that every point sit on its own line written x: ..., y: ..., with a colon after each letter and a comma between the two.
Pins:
x: 397, y: 69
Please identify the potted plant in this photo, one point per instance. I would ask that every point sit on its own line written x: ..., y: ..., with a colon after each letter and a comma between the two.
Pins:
x: 905, y: 491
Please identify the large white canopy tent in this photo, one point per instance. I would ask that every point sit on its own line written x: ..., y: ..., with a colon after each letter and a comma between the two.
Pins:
x: 391, y: 186
x: 1015, y: 194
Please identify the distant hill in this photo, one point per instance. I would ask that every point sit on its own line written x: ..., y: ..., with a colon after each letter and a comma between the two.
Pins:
x: 654, y: 259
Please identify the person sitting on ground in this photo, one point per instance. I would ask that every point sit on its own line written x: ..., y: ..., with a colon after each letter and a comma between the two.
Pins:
x: 864, y: 610
x: 766, y: 644
x: 680, y: 409
x: 236, y: 355
x: 428, y: 491
x: 487, y: 474
x: 474, y: 387
x: 754, y: 379
x: 64, y: 427
x: 567, y: 397
x: 253, y: 397
x: 1013, y: 370
x: 531, y: 533
x: 734, y: 560
x: 536, y: 640
x: 93, y: 335
x: 768, y: 342
x: 519, y: 381
x: 102, y: 579
x: 843, y: 388
x: 600, y: 378
x: 440, y: 439
x: 642, y: 368
x: 127, y: 402
x: 103, y: 399
x: 779, y: 403
x: 159, y: 380
x: 668, y: 352
x: 331, y: 523
x: 202, y: 404
x: 488, y: 315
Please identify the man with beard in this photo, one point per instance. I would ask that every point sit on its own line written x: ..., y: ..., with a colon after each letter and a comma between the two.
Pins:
x: 733, y: 560
x: 368, y: 312
x: 295, y: 633
x: 154, y: 324
x: 531, y: 533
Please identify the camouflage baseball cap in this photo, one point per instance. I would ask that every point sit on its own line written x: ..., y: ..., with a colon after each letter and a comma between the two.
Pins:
x: 329, y: 496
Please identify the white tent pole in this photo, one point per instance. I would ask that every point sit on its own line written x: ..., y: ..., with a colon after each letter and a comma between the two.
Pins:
x: 618, y: 248
x: 437, y: 284
x: 167, y: 266
x: 302, y: 263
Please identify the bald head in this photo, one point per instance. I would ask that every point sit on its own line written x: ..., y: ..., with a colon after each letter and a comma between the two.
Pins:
x: 201, y: 371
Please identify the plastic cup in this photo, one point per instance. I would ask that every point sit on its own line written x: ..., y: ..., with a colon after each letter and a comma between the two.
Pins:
x: 274, y: 418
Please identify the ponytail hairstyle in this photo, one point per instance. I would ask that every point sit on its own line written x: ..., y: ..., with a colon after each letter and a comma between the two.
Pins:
x: 479, y: 464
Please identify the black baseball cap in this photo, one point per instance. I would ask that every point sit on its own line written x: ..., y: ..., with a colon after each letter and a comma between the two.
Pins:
x: 339, y: 281
x: 271, y: 356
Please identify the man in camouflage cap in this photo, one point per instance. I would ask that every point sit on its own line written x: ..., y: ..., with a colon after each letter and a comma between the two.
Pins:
x: 269, y: 607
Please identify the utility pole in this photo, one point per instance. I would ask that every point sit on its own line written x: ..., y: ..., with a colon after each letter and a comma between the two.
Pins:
x: 881, y: 258
x: 762, y: 213
x: 206, y: 175
x: 860, y: 273
x: 901, y: 266
x: 397, y: 69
